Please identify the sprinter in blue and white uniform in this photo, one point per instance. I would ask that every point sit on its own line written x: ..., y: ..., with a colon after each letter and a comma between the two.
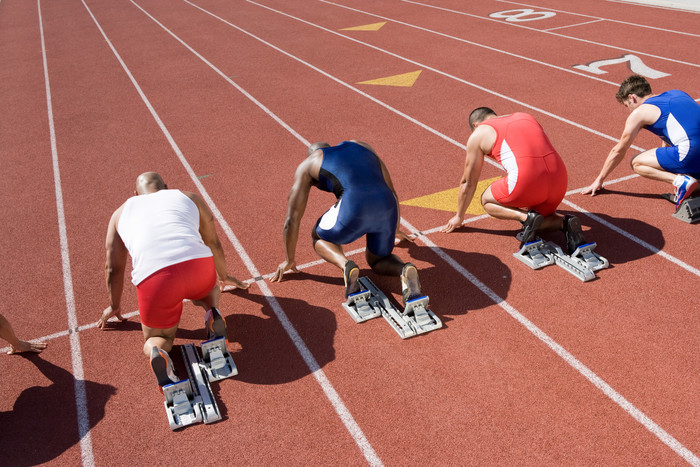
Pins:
x: 366, y: 204
x: 673, y: 116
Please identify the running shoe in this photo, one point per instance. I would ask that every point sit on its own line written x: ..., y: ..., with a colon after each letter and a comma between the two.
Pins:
x: 215, y: 324
x: 410, y: 285
x: 530, y: 226
x: 685, y: 185
x: 351, y: 274
x: 573, y: 233
x: 163, y: 367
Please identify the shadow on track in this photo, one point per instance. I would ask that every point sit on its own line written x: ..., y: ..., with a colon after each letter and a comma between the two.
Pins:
x: 43, y: 422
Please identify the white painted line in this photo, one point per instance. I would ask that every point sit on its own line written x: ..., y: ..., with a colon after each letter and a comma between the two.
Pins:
x: 596, y: 380
x: 574, y: 25
x: 553, y: 33
x: 456, y: 78
x: 493, y: 49
x: 688, y: 6
x: 592, y: 377
x: 636, y: 240
x: 600, y: 19
x: 330, y: 392
x: 86, y: 452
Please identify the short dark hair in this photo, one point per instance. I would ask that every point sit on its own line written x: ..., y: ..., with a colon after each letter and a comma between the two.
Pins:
x: 635, y: 84
x: 478, y: 115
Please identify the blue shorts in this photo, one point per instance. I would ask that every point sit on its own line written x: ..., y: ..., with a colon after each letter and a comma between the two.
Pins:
x: 374, y: 213
x: 669, y: 160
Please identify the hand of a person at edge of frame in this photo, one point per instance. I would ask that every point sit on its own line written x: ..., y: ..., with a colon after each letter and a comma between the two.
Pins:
x: 25, y: 346
x: 454, y: 223
x: 283, y: 267
x: 401, y: 235
x: 592, y: 188
x: 230, y: 280
x: 108, y: 313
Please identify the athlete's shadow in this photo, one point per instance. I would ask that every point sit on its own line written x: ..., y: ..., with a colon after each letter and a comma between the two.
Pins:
x: 268, y: 355
x: 450, y: 292
x: 43, y: 422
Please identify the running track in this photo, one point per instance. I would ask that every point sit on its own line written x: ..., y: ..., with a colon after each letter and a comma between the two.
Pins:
x: 221, y: 97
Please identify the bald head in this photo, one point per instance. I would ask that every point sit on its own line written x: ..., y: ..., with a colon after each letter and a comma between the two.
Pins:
x: 149, y: 182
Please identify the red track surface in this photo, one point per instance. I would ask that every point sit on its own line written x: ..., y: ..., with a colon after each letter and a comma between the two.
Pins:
x: 532, y: 367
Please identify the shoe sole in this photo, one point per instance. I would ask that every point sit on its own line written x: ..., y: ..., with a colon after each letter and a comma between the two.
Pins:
x: 530, y: 230
x: 411, y: 282
x: 351, y: 275
x: 688, y: 192
x: 160, y: 367
x: 574, y: 234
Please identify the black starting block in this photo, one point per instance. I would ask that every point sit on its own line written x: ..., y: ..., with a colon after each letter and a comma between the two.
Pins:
x: 371, y: 302
x: 689, y: 210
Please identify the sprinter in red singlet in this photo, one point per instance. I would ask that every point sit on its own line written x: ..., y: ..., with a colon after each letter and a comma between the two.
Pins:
x: 535, y: 181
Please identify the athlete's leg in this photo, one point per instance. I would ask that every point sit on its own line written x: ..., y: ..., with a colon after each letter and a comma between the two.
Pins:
x: 388, y: 265
x: 647, y: 165
x: 329, y: 251
x: 161, y: 338
x: 495, y: 209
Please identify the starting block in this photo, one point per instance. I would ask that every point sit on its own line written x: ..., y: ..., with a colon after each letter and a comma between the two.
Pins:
x: 182, y: 406
x: 534, y: 255
x: 362, y: 305
x: 582, y: 263
x: 416, y: 319
x: 217, y: 360
x: 689, y: 210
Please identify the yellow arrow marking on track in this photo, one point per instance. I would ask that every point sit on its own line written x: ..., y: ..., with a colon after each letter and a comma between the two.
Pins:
x: 447, y: 200
x: 405, y: 80
x: 366, y: 27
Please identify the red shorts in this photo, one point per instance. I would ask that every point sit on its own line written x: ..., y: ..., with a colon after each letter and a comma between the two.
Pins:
x: 160, y: 295
x: 541, y: 185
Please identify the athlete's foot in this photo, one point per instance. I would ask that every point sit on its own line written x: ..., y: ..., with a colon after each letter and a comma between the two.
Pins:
x: 530, y: 226
x: 215, y: 324
x: 685, y: 185
x: 351, y: 275
x: 163, y: 367
x: 410, y: 285
x: 573, y: 233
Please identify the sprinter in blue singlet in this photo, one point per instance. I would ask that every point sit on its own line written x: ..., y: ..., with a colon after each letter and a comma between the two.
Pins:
x: 366, y: 204
x: 673, y: 116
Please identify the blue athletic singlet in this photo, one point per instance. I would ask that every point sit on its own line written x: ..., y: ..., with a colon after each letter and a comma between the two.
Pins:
x: 365, y: 204
x: 679, y: 126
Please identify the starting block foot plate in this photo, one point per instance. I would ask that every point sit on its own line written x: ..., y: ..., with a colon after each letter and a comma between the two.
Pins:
x: 181, y: 405
x: 362, y: 306
x: 217, y: 360
x: 534, y: 255
x: 689, y: 210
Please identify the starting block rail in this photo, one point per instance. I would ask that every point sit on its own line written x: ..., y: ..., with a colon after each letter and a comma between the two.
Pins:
x: 200, y: 384
x: 371, y: 302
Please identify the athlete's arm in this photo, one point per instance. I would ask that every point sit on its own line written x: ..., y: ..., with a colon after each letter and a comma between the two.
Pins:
x: 207, y: 229
x: 296, y: 205
x: 115, y: 265
x: 473, y: 164
x: 645, y: 114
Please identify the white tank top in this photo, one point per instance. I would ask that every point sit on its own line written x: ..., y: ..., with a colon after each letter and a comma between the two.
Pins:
x: 160, y: 229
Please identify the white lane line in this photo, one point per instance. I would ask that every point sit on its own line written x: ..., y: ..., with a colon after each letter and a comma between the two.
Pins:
x: 599, y: 18
x: 627, y: 234
x: 608, y: 46
x: 574, y: 25
x: 453, y: 77
x: 476, y: 44
x: 587, y: 373
x: 568, y: 357
x: 315, y: 369
x: 687, y: 6
x: 83, y: 419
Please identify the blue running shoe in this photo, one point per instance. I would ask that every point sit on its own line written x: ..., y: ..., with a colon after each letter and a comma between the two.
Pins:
x: 685, y: 185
